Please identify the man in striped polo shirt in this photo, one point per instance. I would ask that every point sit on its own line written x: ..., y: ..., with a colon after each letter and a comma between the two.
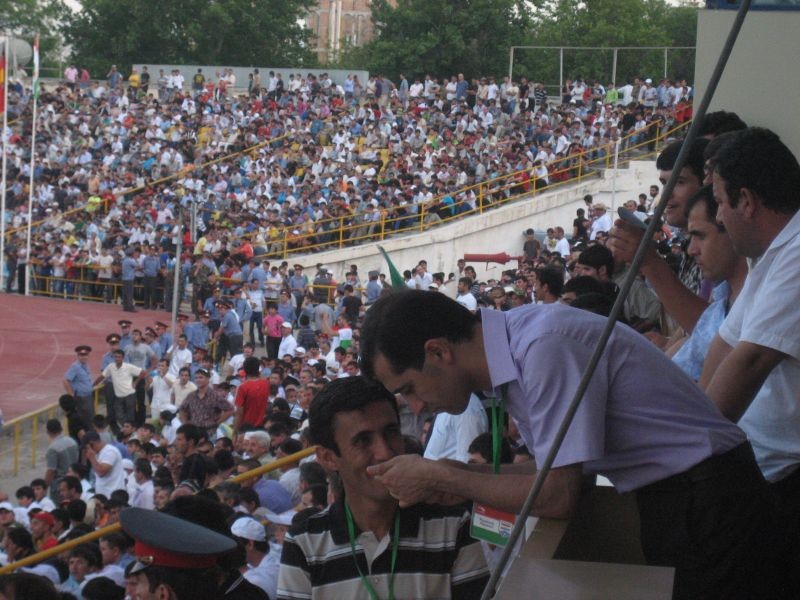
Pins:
x: 364, y: 546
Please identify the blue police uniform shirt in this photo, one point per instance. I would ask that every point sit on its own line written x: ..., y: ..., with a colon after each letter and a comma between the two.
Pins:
x: 243, y: 309
x: 165, y: 341
x: 108, y: 358
x: 209, y: 305
x: 692, y: 355
x: 230, y: 324
x: 125, y: 341
x: 150, y: 266
x: 156, y: 348
x: 374, y: 289
x: 258, y: 274
x: 79, y: 378
x: 197, y: 335
x: 128, y: 268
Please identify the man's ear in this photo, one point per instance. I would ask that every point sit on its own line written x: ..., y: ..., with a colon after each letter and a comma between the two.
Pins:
x: 328, y: 459
x: 748, y: 203
x: 438, y: 351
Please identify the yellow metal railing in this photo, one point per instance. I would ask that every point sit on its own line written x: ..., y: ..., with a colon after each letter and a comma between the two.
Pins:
x: 89, y: 537
x: 341, y: 231
x: 29, y: 423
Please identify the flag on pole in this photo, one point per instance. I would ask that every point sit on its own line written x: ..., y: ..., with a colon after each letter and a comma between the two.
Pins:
x: 36, y: 68
x: 397, y: 280
x: 2, y: 82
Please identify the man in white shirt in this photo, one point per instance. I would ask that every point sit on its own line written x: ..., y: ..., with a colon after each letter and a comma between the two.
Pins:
x: 182, y: 387
x: 179, y: 356
x: 752, y: 368
x: 562, y: 245
x: 451, y: 435
x: 465, y: 298
x: 106, y: 462
x: 122, y: 376
x: 288, y: 342
x: 602, y: 220
x: 144, y: 491
x: 262, y: 566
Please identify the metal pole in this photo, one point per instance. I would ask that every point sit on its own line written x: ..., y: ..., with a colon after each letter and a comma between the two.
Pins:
x: 625, y: 288
x: 176, y: 277
x: 614, y: 68
x: 3, y: 192
x: 511, y: 65
x: 28, y: 262
x: 560, y: 70
x: 665, y: 62
x: 614, y: 178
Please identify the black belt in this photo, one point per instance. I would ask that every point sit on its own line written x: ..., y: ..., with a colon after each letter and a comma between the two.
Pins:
x: 714, y: 466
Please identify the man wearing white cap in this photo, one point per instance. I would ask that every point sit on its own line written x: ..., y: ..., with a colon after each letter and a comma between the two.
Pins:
x: 262, y: 563
x: 288, y: 342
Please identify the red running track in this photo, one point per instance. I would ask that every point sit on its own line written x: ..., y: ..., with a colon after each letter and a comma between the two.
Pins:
x: 37, y: 341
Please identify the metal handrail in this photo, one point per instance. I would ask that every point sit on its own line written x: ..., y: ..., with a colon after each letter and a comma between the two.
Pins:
x: 89, y: 537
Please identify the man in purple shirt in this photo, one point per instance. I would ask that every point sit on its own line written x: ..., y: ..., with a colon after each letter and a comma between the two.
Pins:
x: 704, y: 505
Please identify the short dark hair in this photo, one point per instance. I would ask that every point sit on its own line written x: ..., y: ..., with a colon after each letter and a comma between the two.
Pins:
x: 482, y: 444
x: 583, y: 285
x: 399, y: 323
x: 90, y: 552
x: 53, y: 426
x: 76, y: 509
x: 342, y: 395
x: 705, y: 196
x: 25, y: 491
x: 191, y: 432
x: 117, y: 540
x: 758, y: 160
x: 694, y: 159
x: 102, y: 588
x: 598, y: 256
x: 552, y: 278
x: 72, y: 483
x: 143, y: 466
x: 252, y: 366
x: 720, y: 121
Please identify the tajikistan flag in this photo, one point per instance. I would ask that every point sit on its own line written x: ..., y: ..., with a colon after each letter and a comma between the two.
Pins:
x: 36, y: 68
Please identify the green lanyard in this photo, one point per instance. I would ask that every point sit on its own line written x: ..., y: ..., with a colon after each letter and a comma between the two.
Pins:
x: 498, y: 416
x: 351, y: 530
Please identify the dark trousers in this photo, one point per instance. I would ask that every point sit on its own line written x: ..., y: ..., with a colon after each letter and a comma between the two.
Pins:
x: 273, y: 344
x: 125, y: 408
x: 257, y: 322
x: 140, y: 410
x: 718, y: 525
x: 127, y: 294
x: 150, y: 298
x: 111, y: 406
x: 231, y: 344
x: 85, y: 409
x: 788, y: 492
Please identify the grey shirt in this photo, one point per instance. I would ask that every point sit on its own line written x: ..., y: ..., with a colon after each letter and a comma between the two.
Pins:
x: 61, y: 453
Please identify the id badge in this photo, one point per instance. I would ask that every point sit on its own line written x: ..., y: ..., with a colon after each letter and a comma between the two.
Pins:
x: 491, y: 525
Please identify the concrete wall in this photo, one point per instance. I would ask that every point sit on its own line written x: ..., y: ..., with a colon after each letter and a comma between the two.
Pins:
x: 761, y: 81
x: 497, y: 230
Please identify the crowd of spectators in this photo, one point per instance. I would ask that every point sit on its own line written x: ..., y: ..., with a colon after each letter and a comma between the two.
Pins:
x: 118, y: 159
x: 189, y: 409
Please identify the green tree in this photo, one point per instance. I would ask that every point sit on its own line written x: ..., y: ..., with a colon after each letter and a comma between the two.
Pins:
x: 229, y: 32
x: 441, y: 37
x: 608, y: 23
x: 27, y: 18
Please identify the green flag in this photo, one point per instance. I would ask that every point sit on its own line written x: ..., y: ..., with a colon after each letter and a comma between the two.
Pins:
x: 397, y: 280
